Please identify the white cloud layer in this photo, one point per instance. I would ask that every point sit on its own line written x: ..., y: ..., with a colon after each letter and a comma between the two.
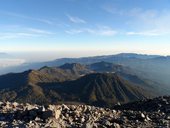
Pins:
x: 10, y: 62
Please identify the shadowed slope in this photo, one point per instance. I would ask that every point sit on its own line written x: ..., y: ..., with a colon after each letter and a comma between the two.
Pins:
x: 99, y: 89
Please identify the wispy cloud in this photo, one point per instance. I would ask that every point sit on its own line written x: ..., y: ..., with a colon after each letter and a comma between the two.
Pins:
x: 23, y: 32
x: 113, y: 10
x: 76, y: 19
x: 146, y: 22
x: 151, y: 22
x: 46, y: 21
x: 146, y: 33
x: 39, y: 31
x: 74, y: 31
x: 13, y: 35
x: 102, y: 31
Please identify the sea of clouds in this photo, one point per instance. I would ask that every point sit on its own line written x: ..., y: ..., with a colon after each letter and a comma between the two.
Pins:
x: 8, y: 62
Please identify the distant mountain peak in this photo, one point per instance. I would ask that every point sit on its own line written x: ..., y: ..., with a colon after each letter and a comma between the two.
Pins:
x: 72, y: 66
x: 44, y: 67
x: 76, y: 68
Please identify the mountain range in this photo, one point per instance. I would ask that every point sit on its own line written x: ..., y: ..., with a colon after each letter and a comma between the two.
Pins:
x: 100, y: 84
x: 100, y: 80
x: 118, y: 59
x: 153, y: 67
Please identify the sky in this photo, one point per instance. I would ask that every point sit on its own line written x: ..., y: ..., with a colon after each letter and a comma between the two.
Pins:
x: 47, y: 29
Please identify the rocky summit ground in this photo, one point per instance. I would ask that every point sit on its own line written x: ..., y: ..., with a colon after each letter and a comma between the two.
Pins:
x: 15, y: 115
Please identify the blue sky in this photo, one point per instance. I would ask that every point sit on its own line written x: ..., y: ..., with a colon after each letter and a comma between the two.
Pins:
x: 85, y: 27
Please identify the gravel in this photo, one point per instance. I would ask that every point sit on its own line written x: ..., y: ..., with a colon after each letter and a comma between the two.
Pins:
x: 17, y: 115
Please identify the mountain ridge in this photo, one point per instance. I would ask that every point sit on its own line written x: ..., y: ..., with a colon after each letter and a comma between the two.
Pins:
x: 37, y: 87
